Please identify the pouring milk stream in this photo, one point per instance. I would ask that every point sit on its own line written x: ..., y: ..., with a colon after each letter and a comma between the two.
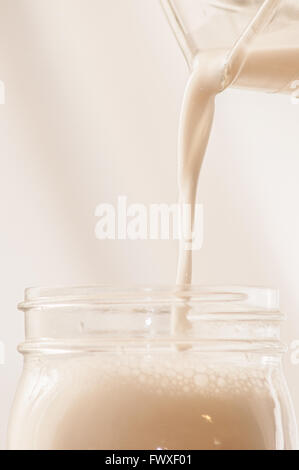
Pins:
x: 213, y: 72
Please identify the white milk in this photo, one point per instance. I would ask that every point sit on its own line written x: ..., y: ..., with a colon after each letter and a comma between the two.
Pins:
x: 168, y: 402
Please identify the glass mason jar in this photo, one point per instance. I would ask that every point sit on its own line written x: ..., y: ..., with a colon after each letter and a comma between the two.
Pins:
x: 272, y: 56
x: 102, y: 370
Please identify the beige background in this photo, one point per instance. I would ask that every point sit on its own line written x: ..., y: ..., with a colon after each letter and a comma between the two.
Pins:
x: 93, y: 93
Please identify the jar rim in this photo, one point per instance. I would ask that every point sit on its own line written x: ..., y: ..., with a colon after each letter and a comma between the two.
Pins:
x: 228, y: 318
x: 249, y: 298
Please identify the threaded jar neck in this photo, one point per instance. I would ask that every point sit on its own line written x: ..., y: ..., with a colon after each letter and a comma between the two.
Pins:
x: 97, y: 318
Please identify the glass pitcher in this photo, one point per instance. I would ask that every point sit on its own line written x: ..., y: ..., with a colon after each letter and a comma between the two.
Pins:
x: 272, y: 59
